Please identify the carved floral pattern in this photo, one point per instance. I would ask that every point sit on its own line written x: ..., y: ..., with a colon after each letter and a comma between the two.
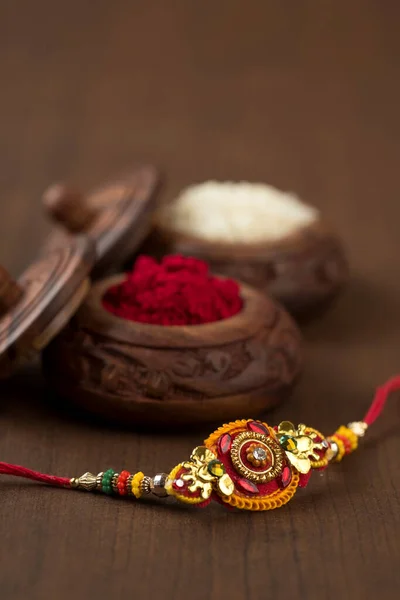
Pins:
x: 270, y: 358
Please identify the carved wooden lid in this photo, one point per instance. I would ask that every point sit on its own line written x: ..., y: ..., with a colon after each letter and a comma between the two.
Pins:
x: 116, y: 216
x: 37, y: 306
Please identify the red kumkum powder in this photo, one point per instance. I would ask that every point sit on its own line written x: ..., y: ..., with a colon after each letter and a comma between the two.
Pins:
x: 177, y: 291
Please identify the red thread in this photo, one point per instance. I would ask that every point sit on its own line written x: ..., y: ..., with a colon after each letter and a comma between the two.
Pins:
x: 304, y: 479
x: 379, y: 401
x: 17, y: 471
x: 177, y: 291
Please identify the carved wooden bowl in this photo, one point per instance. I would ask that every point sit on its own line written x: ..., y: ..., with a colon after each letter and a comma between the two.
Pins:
x: 304, y: 271
x: 151, y: 374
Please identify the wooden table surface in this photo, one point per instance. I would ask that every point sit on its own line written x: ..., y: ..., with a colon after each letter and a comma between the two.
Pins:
x: 303, y: 95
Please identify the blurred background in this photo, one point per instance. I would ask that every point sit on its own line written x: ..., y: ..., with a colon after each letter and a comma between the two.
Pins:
x: 303, y: 95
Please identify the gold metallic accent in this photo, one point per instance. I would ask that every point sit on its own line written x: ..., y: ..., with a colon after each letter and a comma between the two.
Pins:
x: 305, y: 450
x: 86, y: 482
x: 322, y: 460
x: 99, y: 481
x: 197, y: 471
x: 129, y: 485
x: 114, y: 482
x: 200, y: 477
x: 271, y: 446
x: 226, y: 485
x: 358, y: 428
x: 145, y: 485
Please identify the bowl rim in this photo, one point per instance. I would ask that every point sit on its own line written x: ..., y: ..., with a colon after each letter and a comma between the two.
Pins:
x: 295, y: 243
x: 258, y: 311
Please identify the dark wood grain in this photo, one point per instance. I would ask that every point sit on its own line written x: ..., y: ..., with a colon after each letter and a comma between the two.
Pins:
x: 302, y: 95
x: 151, y: 374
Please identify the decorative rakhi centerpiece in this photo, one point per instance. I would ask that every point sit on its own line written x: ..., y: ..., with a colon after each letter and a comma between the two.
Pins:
x: 249, y: 464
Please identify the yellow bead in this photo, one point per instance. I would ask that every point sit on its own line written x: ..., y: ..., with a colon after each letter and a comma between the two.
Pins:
x: 135, y: 485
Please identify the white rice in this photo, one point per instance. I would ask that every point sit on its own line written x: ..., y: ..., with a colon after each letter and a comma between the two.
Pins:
x: 236, y: 212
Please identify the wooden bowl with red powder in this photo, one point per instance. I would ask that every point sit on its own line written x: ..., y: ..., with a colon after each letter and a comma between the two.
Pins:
x: 142, y: 373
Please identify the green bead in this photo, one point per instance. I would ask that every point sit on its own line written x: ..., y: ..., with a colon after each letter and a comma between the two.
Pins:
x: 106, y: 481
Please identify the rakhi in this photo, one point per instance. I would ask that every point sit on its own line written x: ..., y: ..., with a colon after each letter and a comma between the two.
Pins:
x: 245, y: 464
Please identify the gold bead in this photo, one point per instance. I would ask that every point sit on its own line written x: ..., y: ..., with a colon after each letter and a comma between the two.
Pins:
x: 99, y: 481
x: 86, y: 482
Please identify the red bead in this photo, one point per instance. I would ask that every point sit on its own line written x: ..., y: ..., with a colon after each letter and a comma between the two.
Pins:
x: 258, y: 427
x: 121, y: 483
x: 286, y: 477
x: 224, y: 443
x: 247, y: 486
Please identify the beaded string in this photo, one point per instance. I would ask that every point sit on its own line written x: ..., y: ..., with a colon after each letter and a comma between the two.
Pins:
x: 214, y: 471
x: 109, y: 482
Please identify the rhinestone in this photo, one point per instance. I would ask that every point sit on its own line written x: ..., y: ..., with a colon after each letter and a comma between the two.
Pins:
x: 288, y: 443
x: 225, y: 443
x: 179, y: 483
x: 247, y: 486
x: 215, y: 467
x: 259, y: 453
x: 325, y: 444
x: 286, y: 477
x: 258, y: 427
